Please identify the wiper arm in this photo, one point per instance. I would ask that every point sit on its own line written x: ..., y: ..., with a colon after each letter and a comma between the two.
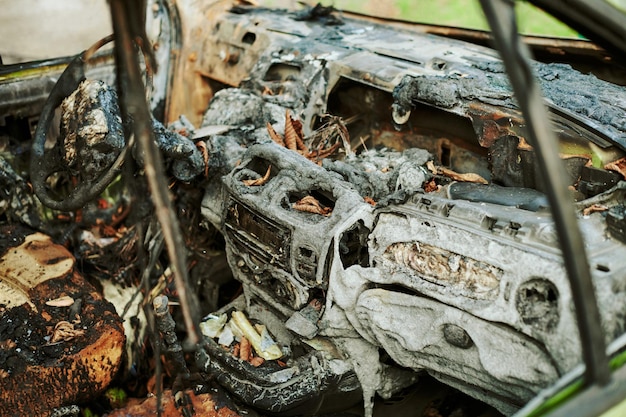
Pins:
x: 516, y: 57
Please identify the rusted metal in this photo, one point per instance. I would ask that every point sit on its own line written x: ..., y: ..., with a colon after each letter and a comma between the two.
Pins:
x: 492, y: 123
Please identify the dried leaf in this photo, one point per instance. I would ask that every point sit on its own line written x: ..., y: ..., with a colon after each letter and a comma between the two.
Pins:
x: 310, y: 204
x: 256, y: 361
x: 293, y: 133
x: 523, y: 145
x: 64, y: 301
x: 618, y: 166
x: 431, y: 186
x: 206, y: 405
x: 431, y: 167
x: 344, y: 134
x: 594, y: 209
x: 431, y: 411
x: 245, y: 350
x: 7, y: 344
x: 369, y: 200
x: 297, y: 125
x: 332, y: 131
x: 468, y: 177
x: 259, y: 181
x: 201, y: 145
x: 64, y: 331
x: 321, y: 154
x: 275, y: 136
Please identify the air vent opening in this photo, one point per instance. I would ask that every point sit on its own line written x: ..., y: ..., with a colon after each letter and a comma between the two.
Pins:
x: 280, y: 72
x: 249, y: 38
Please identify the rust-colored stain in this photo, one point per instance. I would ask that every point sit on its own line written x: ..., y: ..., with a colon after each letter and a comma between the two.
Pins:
x: 202, y: 405
x: 492, y: 123
x: 80, y: 359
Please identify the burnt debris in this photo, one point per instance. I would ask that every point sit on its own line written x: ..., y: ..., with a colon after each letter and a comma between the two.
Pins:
x: 361, y: 209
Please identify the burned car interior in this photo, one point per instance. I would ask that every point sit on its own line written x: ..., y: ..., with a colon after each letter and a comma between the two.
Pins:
x: 313, y: 212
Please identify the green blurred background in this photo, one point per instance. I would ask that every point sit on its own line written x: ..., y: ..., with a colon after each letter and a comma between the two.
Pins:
x: 460, y: 13
x: 463, y: 13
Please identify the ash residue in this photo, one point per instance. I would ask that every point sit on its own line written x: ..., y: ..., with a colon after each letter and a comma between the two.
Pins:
x: 486, y: 81
x: 377, y: 173
x: 26, y: 332
x: 537, y: 302
x: 248, y: 114
x: 183, y: 155
x: 23, y: 340
x: 438, y: 91
x: 456, y: 89
x: 584, y: 94
x: 91, y: 126
x: 241, y: 108
x: 25, y: 337
x: 17, y: 202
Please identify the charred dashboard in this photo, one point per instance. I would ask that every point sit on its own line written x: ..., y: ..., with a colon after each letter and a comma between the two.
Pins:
x: 377, y: 194
x: 427, y: 236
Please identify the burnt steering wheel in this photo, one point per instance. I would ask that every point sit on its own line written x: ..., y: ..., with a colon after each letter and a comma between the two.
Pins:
x: 89, y: 176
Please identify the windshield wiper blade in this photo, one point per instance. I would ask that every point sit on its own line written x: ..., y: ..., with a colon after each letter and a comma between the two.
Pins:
x: 515, y: 56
